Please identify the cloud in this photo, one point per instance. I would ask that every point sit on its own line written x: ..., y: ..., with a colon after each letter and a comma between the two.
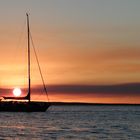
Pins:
x: 132, y: 89
x: 121, y: 88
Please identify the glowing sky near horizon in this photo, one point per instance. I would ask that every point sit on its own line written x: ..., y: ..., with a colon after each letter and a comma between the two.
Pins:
x: 89, y: 42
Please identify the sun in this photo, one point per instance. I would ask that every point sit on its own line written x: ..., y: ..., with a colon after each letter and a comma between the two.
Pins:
x: 17, y: 92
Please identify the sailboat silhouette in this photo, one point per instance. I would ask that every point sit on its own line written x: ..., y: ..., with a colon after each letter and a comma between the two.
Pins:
x: 24, y: 104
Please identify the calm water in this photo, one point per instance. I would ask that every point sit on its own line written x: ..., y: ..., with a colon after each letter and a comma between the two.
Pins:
x: 74, y: 122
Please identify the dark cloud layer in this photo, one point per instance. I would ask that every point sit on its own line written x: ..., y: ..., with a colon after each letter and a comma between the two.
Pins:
x: 121, y: 89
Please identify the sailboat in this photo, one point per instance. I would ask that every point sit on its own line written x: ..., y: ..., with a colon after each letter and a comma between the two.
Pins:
x: 25, y: 104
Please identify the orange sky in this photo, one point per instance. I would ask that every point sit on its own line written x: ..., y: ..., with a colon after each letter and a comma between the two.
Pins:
x: 75, y: 46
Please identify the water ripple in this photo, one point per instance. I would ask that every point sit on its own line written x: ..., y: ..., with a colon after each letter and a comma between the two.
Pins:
x: 73, y: 122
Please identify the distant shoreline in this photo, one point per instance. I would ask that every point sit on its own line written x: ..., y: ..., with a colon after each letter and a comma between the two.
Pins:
x: 96, y: 104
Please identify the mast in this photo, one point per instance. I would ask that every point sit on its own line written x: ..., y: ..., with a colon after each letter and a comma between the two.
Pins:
x: 28, y: 41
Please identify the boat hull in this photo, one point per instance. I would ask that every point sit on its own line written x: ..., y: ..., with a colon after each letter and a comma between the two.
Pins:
x: 17, y: 106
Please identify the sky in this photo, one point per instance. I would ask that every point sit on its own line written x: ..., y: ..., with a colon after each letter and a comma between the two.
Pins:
x: 79, y: 43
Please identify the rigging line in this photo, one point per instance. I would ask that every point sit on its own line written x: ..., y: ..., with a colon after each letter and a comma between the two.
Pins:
x: 20, y: 39
x: 39, y: 66
x: 21, y: 34
x: 18, y: 45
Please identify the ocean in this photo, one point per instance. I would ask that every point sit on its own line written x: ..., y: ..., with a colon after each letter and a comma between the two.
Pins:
x: 73, y: 122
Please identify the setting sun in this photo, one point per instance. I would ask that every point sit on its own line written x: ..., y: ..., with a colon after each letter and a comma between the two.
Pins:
x: 17, y: 92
